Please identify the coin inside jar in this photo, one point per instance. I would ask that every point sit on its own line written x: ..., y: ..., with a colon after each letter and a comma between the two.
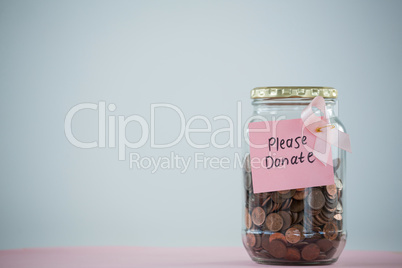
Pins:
x: 287, y: 219
x: 265, y: 241
x: 331, y: 189
x: 278, y: 198
x: 258, y: 216
x: 292, y: 254
x: 258, y: 240
x: 310, y: 252
x: 293, y: 235
x: 286, y: 204
x: 279, y: 236
x: 330, y: 231
x: 250, y: 240
x: 300, y: 195
x: 274, y: 222
x: 316, y: 199
x: 284, y: 224
x: 324, y: 244
x: 284, y: 192
x: 247, y: 219
x: 277, y: 249
x: 297, y: 206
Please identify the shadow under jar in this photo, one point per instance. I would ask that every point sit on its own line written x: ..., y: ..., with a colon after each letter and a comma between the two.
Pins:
x: 296, y: 226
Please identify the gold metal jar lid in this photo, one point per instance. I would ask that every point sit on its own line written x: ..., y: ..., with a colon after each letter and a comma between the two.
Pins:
x: 293, y: 92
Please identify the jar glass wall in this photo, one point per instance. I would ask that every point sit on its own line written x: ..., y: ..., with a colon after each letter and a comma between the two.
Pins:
x: 295, y: 226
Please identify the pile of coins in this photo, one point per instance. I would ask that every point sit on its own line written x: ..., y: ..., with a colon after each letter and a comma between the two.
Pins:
x: 298, y: 225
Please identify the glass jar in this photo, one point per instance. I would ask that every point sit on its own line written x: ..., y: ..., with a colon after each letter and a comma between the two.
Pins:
x: 304, y: 235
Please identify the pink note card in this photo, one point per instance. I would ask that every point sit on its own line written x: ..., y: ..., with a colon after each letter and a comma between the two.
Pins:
x: 280, y: 159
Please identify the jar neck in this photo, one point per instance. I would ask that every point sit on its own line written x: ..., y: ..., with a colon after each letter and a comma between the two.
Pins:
x: 262, y: 106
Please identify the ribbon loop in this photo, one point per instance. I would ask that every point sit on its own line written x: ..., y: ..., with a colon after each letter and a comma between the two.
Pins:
x: 326, y: 134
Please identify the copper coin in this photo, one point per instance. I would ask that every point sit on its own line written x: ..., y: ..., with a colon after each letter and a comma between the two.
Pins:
x: 274, y: 222
x: 331, y: 205
x: 301, y: 245
x: 331, y: 199
x: 300, y: 189
x: 301, y: 230
x: 315, y: 212
x: 293, y: 235
x: 284, y: 192
x: 258, y: 240
x: 294, y: 217
x: 247, y: 219
x: 258, y: 216
x: 297, y: 206
x: 310, y: 252
x: 277, y: 197
x: 250, y: 239
x: 279, y: 236
x: 276, y: 207
x: 331, y: 189
x: 316, y: 223
x: 286, y: 204
x: 316, y: 199
x: 253, y: 200
x: 260, y: 198
x: 299, y: 227
x: 300, y: 217
x: 289, y: 194
x: 269, y: 206
x: 292, y: 254
x: 318, y: 220
x: 277, y: 249
x: 300, y: 195
x: 327, y: 214
x: 287, y: 219
x: 330, y: 231
x: 268, y: 199
x: 324, y: 244
x: 265, y: 241
x: 316, y: 232
x: 332, y: 210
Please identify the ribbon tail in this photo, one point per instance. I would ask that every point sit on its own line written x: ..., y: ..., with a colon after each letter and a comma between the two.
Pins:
x: 344, y: 141
x: 322, y: 152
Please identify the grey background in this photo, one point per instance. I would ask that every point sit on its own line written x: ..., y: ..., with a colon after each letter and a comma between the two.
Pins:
x: 202, y: 56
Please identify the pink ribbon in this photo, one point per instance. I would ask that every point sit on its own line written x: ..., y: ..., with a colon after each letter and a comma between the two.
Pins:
x: 327, y: 134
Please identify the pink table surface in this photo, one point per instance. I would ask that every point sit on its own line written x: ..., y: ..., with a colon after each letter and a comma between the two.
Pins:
x: 119, y: 257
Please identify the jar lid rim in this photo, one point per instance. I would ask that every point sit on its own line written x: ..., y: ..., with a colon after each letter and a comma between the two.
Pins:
x: 293, y: 92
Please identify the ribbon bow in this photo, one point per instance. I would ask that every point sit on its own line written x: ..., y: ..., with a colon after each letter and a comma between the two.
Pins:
x: 326, y: 134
